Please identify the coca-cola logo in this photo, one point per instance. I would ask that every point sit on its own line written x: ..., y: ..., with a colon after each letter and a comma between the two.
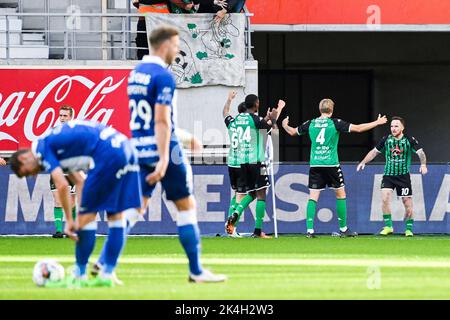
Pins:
x: 37, y: 117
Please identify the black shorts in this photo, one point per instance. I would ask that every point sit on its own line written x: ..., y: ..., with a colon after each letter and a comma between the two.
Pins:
x: 400, y: 183
x: 252, y: 177
x: 72, y: 186
x: 234, y: 174
x: 321, y: 177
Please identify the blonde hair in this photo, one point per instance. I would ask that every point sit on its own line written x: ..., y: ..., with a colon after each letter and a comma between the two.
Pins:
x: 326, y: 106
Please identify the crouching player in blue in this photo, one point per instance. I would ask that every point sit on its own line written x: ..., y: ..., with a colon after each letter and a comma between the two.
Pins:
x: 112, y: 185
x: 150, y: 89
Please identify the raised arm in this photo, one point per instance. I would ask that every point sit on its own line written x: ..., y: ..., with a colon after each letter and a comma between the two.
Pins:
x: 369, y: 157
x: 227, y: 106
x: 291, y: 131
x: 273, y: 115
x: 368, y: 126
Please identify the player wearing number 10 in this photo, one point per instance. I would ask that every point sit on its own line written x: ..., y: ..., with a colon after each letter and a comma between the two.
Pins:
x: 397, y: 148
x: 161, y: 157
x: 325, y: 169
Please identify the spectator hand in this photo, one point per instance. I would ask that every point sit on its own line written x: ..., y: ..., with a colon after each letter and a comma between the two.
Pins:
x: 221, y: 3
x: 220, y: 15
x: 2, y: 162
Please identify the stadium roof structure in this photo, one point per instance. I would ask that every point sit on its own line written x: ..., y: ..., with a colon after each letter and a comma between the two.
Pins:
x: 350, y: 15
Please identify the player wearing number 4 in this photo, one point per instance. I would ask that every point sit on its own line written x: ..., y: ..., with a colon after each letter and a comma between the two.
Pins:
x: 325, y: 169
x: 397, y: 148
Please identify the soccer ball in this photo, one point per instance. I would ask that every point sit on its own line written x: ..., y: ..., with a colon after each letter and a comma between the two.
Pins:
x: 47, y: 270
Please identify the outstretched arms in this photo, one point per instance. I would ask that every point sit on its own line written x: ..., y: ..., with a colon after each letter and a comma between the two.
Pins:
x: 369, y: 157
x: 368, y: 126
x: 291, y: 131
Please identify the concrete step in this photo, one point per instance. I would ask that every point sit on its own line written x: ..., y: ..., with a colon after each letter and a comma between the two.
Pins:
x: 4, y: 11
x: 26, y: 52
x: 14, y: 38
x: 33, y: 36
x: 14, y: 25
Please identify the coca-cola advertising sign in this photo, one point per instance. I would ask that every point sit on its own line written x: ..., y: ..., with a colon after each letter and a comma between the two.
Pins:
x: 30, y: 100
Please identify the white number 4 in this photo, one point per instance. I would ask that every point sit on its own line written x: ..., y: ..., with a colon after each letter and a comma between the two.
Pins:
x: 321, y: 137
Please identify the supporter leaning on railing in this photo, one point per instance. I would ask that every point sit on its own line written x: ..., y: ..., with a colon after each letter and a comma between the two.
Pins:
x: 219, y: 7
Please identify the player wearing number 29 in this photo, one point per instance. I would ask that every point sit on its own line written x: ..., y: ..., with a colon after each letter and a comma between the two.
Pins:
x: 325, y: 169
x: 397, y: 148
x: 161, y: 158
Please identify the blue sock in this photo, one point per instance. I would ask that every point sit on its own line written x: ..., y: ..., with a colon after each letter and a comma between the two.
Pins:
x: 84, y: 247
x: 101, y: 259
x: 113, y: 245
x: 189, y: 236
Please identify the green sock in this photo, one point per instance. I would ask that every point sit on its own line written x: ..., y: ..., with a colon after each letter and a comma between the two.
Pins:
x: 341, y: 208
x: 232, y: 206
x: 74, y: 213
x: 387, y: 218
x: 241, y: 206
x: 310, y: 213
x: 58, y: 214
x: 409, y: 224
x: 260, y: 212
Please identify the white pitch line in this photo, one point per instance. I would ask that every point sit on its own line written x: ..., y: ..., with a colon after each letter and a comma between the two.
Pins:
x: 258, y: 262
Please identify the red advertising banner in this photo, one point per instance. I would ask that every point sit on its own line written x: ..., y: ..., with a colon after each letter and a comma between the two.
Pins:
x: 30, y: 100
x: 349, y: 11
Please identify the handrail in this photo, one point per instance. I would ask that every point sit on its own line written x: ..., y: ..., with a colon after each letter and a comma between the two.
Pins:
x: 71, y: 42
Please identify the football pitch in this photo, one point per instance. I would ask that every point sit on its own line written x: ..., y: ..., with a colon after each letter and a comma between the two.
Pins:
x: 290, y: 267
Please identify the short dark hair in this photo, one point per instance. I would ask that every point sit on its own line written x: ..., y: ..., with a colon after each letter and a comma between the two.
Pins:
x: 241, y: 107
x: 67, y: 108
x: 14, y: 162
x: 399, y: 119
x: 250, y: 101
x: 161, y: 34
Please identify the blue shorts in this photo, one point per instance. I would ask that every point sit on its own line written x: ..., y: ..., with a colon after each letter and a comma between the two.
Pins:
x: 113, y: 184
x: 177, y: 183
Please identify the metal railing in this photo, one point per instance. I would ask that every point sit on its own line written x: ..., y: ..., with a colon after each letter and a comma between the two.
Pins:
x: 71, y: 34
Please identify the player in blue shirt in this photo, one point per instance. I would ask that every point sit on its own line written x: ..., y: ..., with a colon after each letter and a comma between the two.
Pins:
x: 161, y: 158
x: 112, y: 185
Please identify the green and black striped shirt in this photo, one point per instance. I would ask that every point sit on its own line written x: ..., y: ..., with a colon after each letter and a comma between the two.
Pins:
x: 397, y: 153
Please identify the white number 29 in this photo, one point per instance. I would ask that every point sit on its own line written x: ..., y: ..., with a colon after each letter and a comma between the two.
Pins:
x: 142, y: 110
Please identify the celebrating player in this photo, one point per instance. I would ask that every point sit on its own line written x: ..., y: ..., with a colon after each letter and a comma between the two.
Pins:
x: 248, y: 140
x: 112, y: 185
x: 65, y: 114
x: 233, y: 162
x: 397, y: 148
x: 161, y: 157
x: 325, y: 169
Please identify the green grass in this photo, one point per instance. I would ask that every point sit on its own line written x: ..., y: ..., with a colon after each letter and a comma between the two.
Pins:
x: 291, y: 267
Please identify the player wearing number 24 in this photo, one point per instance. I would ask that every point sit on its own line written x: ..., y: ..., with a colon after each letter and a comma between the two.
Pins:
x: 397, y: 148
x: 325, y: 169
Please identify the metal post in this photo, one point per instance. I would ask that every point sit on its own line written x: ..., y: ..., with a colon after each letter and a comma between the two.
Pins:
x: 7, y: 36
x: 128, y: 30
x: 66, y: 41
x: 104, y: 30
x: 124, y: 49
x: 47, y: 24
